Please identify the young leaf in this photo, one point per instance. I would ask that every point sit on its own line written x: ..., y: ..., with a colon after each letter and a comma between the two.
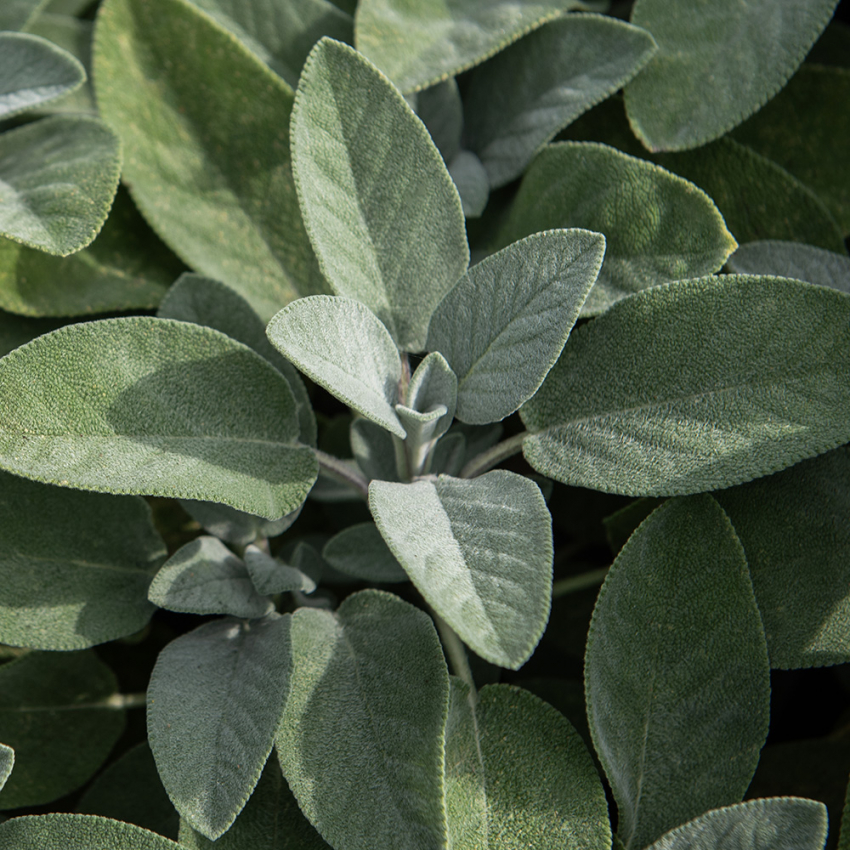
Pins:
x: 360, y: 551
x: 595, y: 187
x: 161, y: 411
x: 716, y: 65
x: 33, y: 71
x: 518, y: 101
x: 78, y: 832
x: 695, y: 386
x: 7, y: 763
x: 792, y: 259
x: 56, y: 713
x: 778, y: 823
x: 382, y: 212
x: 174, y: 84
x: 367, y: 710
x: 234, y: 526
x: 215, y: 698
x: 74, y: 567
x: 341, y: 345
x: 60, y: 176
x: 677, y: 679
x: 205, y: 577
x: 271, y: 575
x: 479, y: 551
x: 504, y: 324
x: 431, y: 386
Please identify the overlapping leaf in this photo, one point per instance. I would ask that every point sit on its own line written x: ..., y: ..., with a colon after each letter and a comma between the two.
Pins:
x: 793, y: 259
x: 77, y: 832
x: 7, y: 763
x: 360, y: 551
x: 235, y: 526
x: 271, y: 575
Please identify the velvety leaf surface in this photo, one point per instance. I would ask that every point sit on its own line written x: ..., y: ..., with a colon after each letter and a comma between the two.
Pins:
x: 215, y: 698
x: 522, y: 97
x: 716, y: 65
x: 271, y: 575
x: 677, y: 678
x: 55, y: 712
x: 803, y: 129
x: 419, y: 44
x: 16, y: 14
x: 694, y: 386
x: 59, y: 176
x: 77, y: 832
x: 7, y: 762
x: 383, y: 214
x: 375, y: 451
x: 795, y: 530
x: 657, y: 226
x: 33, y: 71
x: 360, y: 551
x: 479, y: 551
x: 361, y: 740
x: 470, y: 178
x: 74, y: 567
x: 154, y: 406
x: 174, y: 85
x: 778, y: 823
x: 504, y: 324
x: 341, y: 345
x: 793, y: 259
x: 440, y: 109
x: 235, y: 526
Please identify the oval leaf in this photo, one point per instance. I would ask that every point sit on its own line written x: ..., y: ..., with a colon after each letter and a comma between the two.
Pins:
x: 791, y: 259
x: 360, y: 551
x: 77, y: 832
x: 271, y: 575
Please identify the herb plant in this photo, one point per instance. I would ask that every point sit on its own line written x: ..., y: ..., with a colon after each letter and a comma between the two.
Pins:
x: 438, y: 288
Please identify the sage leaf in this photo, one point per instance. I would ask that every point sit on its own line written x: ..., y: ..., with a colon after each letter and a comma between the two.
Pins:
x: 59, y: 176
x: 449, y: 455
x: 174, y: 84
x: 440, y: 109
x: 792, y: 259
x: 360, y: 551
x: 33, y: 72
x: 470, y: 179
x: 205, y: 577
x: 375, y: 450
x: 516, y: 102
x: 778, y: 823
x: 215, y: 698
x: 433, y: 385
x: 677, y: 679
x: 572, y: 184
x: 77, y: 832
x: 17, y: 14
x: 271, y: 575
x: 485, y: 563
x: 794, y: 528
x: 422, y: 44
x: 505, y: 323
x: 694, y: 386
x: 341, y: 345
x: 161, y: 411
x: 234, y: 526
x: 75, y: 567
x: 382, y: 212
x: 715, y: 66
x: 367, y: 709
x: 57, y: 715
x: 7, y: 763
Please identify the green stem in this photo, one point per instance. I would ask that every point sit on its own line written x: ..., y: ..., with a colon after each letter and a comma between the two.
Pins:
x: 342, y: 472
x: 455, y: 651
x: 579, y: 582
x: 487, y: 460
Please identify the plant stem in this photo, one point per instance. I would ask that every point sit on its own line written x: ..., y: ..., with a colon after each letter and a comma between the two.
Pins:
x: 488, y: 459
x: 579, y: 582
x: 455, y: 651
x: 342, y: 471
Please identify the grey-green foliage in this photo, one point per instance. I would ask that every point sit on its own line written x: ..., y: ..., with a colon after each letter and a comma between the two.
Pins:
x: 271, y: 575
x: 485, y: 564
x: 7, y: 763
x: 34, y: 72
x: 154, y: 406
x: 793, y: 259
x: 17, y: 14
x: 779, y: 823
x: 78, y: 832
x: 657, y: 226
x: 695, y: 385
x: 234, y: 526
x: 382, y: 212
x: 470, y: 178
x: 441, y: 110
x: 701, y: 83
x: 374, y: 449
x: 360, y: 551
x: 677, y: 678
x: 74, y: 567
x: 361, y: 740
x: 524, y: 95
x: 55, y: 712
x: 215, y: 699
x: 174, y: 84
x: 504, y: 324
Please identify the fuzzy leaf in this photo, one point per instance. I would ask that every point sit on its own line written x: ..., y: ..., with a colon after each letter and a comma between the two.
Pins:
x: 59, y: 177
x: 234, y: 526
x: 716, y: 65
x: 485, y: 563
x: 17, y: 14
x: 157, y: 407
x: 78, y: 832
x: 695, y: 386
x: 375, y: 450
x: 440, y: 109
x: 215, y: 698
x: 518, y: 100
x: 677, y: 678
x: 382, y: 212
x: 33, y: 71
x: 504, y: 324
x: 7, y: 763
x: 792, y: 259
x: 75, y: 567
x: 470, y: 179
x: 174, y: 84
x: 657, y: 226
x: 360, y: 551
x: 55, y: 712
x: 271, y: 575
x: 367, y: 710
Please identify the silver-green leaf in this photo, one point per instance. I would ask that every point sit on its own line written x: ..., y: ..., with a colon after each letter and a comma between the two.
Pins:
x: 793, y: 259
x: 78, y: 832
x: 271, y: 575
x: 7, y: 763
x: 360, y: 551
